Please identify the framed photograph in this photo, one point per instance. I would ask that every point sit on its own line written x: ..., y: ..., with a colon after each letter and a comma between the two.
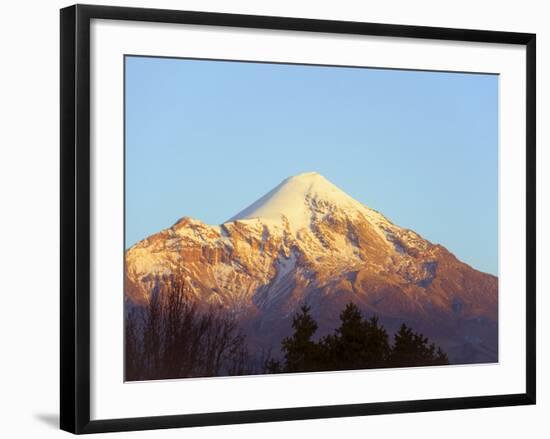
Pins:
x: 273, y: 218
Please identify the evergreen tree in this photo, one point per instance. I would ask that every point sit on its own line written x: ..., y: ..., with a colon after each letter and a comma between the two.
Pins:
x: 378, y: 346
x: 301, y: 353
x: 413, y: 349
x: 441, y: 357
x: 357, y: 343
x: 348, y: 345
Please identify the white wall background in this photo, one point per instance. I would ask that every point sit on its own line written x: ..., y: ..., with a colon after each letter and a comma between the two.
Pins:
x: 29, y: 206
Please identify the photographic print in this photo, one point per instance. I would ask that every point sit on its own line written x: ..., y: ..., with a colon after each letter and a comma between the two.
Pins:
x: 287, y: 218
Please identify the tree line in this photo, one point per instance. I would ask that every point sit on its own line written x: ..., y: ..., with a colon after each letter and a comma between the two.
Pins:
x: 171, y: 337
x: 358, y: 343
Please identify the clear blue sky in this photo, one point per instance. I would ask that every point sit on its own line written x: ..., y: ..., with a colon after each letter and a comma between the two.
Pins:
x: 207, y: 138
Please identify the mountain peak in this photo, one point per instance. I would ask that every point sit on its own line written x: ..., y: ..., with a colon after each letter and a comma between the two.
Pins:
x: 309, y: 183
x: 295, y: 198
x: 306, y: 176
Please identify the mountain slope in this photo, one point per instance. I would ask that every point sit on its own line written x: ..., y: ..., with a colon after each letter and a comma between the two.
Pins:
x: 308, y: 241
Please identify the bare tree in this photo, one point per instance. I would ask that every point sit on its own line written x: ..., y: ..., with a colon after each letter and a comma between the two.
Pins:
x: 177, y: 339
x: 152, y: 332
x: 132, y: 346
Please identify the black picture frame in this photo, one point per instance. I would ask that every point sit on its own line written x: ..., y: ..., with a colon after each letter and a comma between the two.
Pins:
x: 75, y: 217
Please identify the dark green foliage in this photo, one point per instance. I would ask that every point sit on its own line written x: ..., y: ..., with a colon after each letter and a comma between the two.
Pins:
x: 358, y: 343
x: 300, y: 351
x: 413, y: 349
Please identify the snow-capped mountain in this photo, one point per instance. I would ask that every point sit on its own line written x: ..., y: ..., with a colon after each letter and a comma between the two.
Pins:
x: 307, y: 241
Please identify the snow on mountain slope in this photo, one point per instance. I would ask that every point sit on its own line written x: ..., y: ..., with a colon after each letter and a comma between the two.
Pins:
x: 302, y: 198
x: 308, y: 241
